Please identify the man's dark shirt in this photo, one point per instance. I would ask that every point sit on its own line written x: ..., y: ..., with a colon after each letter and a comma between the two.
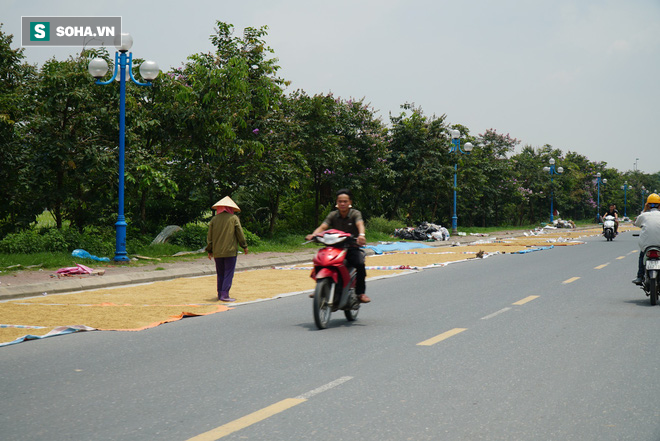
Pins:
x: 346, y: 224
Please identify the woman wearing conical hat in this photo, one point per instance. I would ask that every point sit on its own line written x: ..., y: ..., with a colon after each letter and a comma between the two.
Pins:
x: 224, y: 236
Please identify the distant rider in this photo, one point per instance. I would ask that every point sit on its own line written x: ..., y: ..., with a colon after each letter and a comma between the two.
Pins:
x: 649, y: 222
x: 349, y: 220
x: 615, y: 213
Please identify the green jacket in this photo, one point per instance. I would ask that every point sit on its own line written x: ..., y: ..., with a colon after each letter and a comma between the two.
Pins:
x: 224, y: 236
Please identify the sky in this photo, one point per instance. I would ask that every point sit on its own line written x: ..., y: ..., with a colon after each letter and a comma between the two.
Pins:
x: 579, y: 75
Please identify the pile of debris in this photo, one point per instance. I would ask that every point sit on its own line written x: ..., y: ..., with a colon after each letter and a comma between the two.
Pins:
x: 561, y: 223
x: 425, y: 231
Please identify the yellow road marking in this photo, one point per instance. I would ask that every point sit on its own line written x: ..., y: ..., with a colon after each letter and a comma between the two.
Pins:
x: 247, y: 420
x: 266, y: 412
x: 602, y: 266
x: 443, y: 336
x: 571, y: 280
x: 620, y: 257
x: 525, y: 300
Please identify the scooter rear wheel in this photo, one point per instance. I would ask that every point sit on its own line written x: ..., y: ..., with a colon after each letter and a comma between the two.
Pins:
x: 351, y: 314
x: 322, y: 308
x: 653, y: 291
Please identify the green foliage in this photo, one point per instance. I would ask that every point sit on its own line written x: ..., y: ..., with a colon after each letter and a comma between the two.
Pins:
x: 25, y: 242
x: 420, y: 166
x: 251, y: 238
x: 16, y: 80
x: 160, y: 249
x: 94, y: 240
x: 381, y: 225
x: 282, y: 243
x: 192, y: 236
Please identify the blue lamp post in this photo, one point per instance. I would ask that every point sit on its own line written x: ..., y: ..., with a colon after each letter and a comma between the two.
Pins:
x: 644, y: 192
x: 553, y: 171
x: 625, y: 188
x: 599, y: 180
x: 98, y: 67
x: 456, y: 148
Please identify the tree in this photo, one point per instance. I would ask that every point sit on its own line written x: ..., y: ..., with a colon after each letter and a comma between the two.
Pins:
x: 229, y: 96
x: 361, y: 166
x: 71, y: 154
x: 15, y: 79
x: 420, y: 165
x: 277, y: 175
x: 316, y: 135
x: 152, y: 138
x: 489, y: 161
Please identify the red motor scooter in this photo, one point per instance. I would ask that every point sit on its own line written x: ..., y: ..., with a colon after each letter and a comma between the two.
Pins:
x: 335, y: 282
x: 652, y: 273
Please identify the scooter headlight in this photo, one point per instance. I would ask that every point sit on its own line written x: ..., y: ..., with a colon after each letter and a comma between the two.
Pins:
x: 331, y: 239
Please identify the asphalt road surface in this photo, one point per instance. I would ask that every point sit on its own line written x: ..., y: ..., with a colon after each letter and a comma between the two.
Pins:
x: 550, y: 345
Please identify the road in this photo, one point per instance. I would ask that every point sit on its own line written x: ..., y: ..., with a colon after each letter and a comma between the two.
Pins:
x: 550, y: 345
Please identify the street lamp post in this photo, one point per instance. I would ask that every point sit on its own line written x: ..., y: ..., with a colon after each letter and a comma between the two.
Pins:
x: 644, y: 191
x: 98, y: 67
x: 456, y: 148
x: 553, y: 171
x: 625, y: 188
x: 599, y: 181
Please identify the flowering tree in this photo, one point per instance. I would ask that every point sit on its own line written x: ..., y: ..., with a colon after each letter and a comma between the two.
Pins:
x: 489, y: 161
x: 419, y: 164
x: 229, y: 97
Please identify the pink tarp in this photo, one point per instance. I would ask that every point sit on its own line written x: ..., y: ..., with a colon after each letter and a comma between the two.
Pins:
x: 78, y: 269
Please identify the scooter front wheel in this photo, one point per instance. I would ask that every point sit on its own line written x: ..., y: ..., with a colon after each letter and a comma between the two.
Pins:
x: 322, y: 307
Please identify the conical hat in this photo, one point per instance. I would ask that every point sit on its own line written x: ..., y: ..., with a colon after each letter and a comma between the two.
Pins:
x: 226, y: 202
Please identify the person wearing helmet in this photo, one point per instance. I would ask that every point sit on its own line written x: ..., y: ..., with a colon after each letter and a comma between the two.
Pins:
x: 649, y: 222
x: 612, y: 211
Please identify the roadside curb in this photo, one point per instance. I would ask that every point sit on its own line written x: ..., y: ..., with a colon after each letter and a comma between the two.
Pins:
x: 96, y: 282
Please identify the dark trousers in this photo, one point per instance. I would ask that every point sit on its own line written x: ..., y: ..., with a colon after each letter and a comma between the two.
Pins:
x: 224, y: 267
x: 640, y: 265
x: 355, y: 259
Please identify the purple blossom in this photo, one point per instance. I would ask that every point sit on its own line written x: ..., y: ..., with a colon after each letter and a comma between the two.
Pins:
x: 255, y: 131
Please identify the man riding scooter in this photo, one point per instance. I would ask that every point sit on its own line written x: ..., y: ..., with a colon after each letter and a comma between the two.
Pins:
x: 649, y: 222
x: 349, y: 220
x: 612, y: 211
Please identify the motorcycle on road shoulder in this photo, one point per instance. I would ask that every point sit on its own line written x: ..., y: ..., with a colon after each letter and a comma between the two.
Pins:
x: 335, y: 281
x: 651, y: 273
x: 608, y: 228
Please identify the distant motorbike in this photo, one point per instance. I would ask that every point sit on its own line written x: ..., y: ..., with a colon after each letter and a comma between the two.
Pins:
x: 335, y: 281
x: 651, y: 272
x: 608, y: 227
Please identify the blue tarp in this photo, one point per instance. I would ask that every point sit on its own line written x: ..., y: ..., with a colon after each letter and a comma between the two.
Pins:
x: 60, y: 330
x: 533, y: 249
x: 85, y: 255
x: 397, y: 246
